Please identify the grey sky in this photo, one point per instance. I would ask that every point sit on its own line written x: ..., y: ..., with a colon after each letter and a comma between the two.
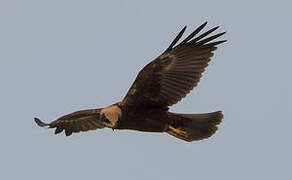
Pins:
x: 60, y: 56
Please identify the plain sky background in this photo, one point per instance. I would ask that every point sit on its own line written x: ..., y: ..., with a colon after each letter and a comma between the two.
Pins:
x: 60, y: 56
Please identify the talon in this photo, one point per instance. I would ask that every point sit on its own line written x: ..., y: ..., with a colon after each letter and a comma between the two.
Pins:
x: 178, y: 131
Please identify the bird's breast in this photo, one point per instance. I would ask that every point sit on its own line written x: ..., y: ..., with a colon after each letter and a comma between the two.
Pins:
x: 143, y: 120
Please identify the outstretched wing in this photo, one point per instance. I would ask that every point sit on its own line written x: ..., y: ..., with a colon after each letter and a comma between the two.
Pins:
x: 75, y: 122
x: 171, y: 76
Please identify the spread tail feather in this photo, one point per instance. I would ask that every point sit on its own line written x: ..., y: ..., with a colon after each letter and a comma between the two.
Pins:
x: 191, y: 127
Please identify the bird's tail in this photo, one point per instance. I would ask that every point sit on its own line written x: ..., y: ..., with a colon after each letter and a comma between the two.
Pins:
x: 191, y: 127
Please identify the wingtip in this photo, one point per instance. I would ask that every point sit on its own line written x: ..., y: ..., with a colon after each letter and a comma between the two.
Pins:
x: 40, y: 123
x: 223, y: 41
x: 183, y: 30
x: 215, y: 28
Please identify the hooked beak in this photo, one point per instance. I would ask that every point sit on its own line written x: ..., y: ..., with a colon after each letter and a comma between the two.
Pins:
x: 107, y: 122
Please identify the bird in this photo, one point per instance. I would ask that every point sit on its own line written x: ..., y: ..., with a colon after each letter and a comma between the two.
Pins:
x: 160, y: 84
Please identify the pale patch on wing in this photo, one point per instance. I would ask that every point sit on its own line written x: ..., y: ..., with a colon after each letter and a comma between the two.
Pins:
x: 133, y: 90
x: 170, y: 64
x: 112, y: 113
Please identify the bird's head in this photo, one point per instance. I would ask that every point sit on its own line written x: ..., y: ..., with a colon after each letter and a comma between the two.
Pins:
x: 110, y: 116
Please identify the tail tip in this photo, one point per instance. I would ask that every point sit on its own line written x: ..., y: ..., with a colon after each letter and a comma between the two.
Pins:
x: 220, y: 116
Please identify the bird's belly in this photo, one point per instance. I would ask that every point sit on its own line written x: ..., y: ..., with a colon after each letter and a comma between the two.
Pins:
x: 147, y: 124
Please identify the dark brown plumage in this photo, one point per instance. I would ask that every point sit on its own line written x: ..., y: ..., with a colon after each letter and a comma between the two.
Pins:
x: 160, y: 84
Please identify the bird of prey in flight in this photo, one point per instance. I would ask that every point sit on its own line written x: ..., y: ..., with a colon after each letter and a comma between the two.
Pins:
x: 160, y: 84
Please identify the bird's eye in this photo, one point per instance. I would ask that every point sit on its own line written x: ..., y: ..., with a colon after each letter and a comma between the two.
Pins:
x: 103, y: 118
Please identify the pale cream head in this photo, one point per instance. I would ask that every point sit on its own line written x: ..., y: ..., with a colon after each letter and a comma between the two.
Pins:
x: 112, y: 114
